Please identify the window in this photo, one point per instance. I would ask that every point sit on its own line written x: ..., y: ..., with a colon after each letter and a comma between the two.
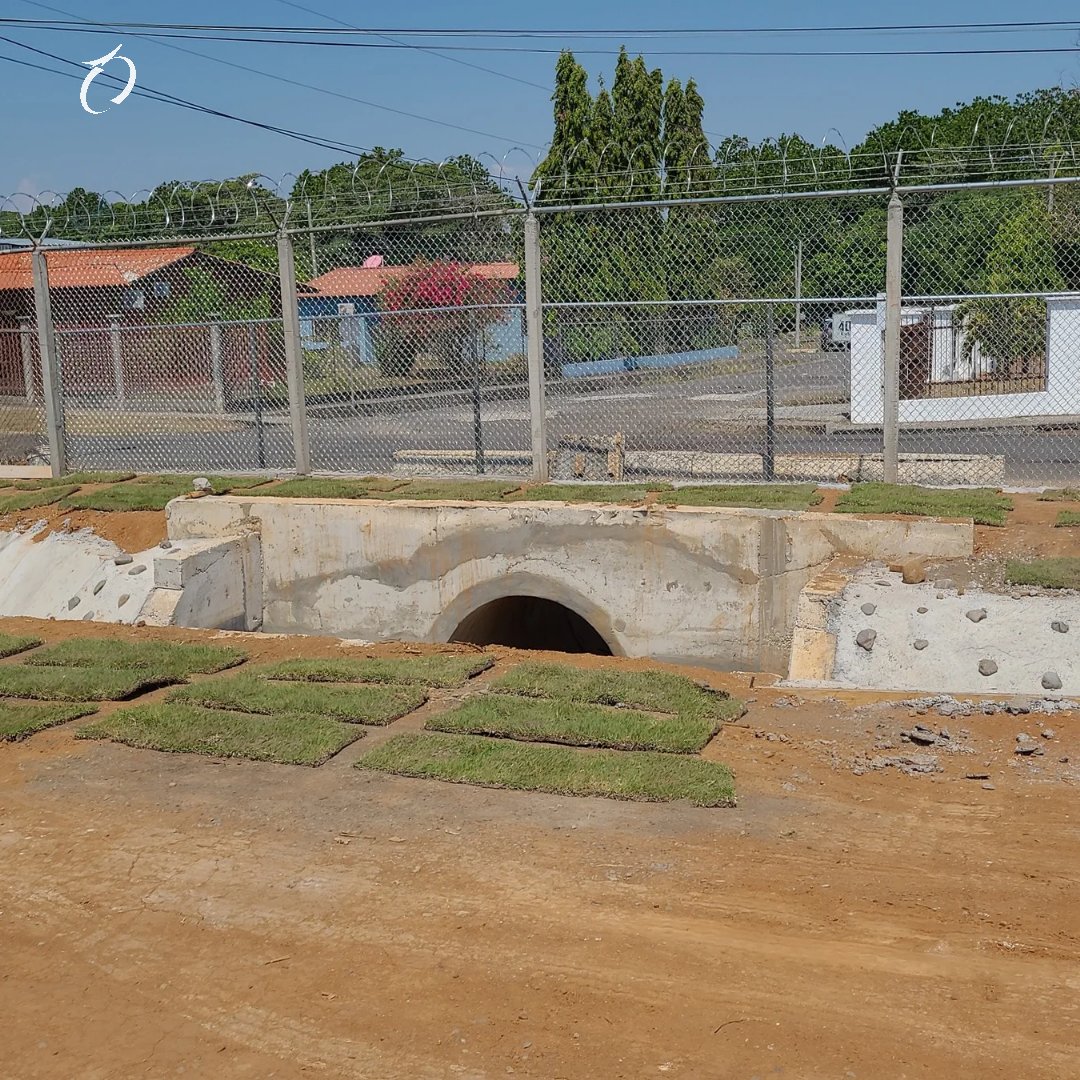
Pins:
x: 161, y: 290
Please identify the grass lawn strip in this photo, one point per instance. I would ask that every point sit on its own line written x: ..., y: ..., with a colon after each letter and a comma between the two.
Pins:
x: 1059, y: 573
x: 78, y: 684
x: 355, y: 704
x: 436, y: 671
x: 19, y: 721
x: 654, y: 691
x: 76, y: 478
x: 10, y: 644
x: 560, y: 770
x: 574, y: 724
x: 595, y: 493
x: 752, y: 496
x: 329, y: 487
x: 158, y: 657
x: 153, y: 492
x: 29, y: 500
x: 1067, y: 518
x: 1060, y: 495
x: 983, y: 505
x: 289, y: 739
x: 452, y: 490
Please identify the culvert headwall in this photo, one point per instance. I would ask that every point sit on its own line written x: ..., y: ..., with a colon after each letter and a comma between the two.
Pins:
x: 694, y: 585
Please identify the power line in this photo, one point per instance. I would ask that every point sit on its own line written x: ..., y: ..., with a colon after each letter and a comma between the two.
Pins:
x: 421, y: 48
x: 304, y: 85
x: 1010, y: 26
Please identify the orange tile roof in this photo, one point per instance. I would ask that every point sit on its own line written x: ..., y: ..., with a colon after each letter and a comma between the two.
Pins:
x: 370, y: 280
x: 89, y: 268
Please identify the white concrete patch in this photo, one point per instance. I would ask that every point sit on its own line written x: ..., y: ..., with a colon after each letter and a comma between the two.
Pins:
x: 1016, y: 635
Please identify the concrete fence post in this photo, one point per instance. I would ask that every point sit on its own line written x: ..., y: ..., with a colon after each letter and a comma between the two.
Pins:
x: 534, y: 331
x: 116, y: 348
x: 217, y: 370
x: 50, y: 363
x: 26, y: 347
x: 894, y: 256
x: 294, y: 354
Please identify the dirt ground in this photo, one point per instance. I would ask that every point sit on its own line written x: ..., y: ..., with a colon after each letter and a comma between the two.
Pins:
x: 165, y: 915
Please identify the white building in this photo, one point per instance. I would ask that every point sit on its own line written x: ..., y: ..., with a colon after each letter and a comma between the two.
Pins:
x: 945, y: 385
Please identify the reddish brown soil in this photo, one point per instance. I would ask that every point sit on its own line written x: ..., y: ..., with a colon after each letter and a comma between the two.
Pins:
x: 1029, y: 531
x: 164, y: 914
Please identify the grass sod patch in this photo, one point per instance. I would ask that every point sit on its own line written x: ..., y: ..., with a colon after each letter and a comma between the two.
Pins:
x: 1067, y: 518
x: 437, y: 671
x: 575, y: 724
x: 10, y: 644
x: 78, y: 684
x: 356, y: 704
x: 19, y: 721
x: 76, y: 478
x: 174, y: 659
x: 560, y: 770
x: 153, y: 492
x: 1060, y: 495
x: 29, y: 500
x: 751, y: 496
x: 594, y: 493
x: 1058, y: 573
x: 288, y: 738
x: 654, y: 691
x: 983, y: 505
x: 329, y: 487
x: 452, y: 490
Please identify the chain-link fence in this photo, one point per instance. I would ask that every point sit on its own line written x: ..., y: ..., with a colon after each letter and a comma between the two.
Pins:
x: 930, y: 334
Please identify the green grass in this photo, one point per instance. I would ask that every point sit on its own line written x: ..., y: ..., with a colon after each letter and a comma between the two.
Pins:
x: 19, y: 721
x: 574, y: 724
x: 440, y: 671
x: 77, y: 684
x: 754, y: 496
x: 320, y: 487
x: 560, y: 770
x: 654, y: 691
x: 1067, y: 518
x: 352, y: 704
x: 158, y: 657
x: 983, y: 505
x: 1061, y: 495
x: 10, y: 644
x: 453, y: 490
x: 76, y: 478
x: 28, y: 500
x: 1059, y: 573
x: 153, y: 492
x: 595, y: 493
x: 285, y: 738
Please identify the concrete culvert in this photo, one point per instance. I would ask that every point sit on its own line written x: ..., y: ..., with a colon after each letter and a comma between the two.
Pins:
x: 530, y: 622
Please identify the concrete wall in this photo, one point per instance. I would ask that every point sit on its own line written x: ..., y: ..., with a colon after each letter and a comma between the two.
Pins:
x: 1061, y: 397
x: 711, y: 586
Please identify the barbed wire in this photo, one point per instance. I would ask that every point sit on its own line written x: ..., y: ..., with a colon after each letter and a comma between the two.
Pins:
x: 370, y: 191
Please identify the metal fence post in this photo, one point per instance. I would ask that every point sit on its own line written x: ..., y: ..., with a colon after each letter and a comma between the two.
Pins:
x: 116, y: 348
x: 891, y: 385
x: 534, y: 329
x: 294, y: 354
x: 217, y: 369
x: 26, y: 347
x: 769, y: 457
x: 50, y: 367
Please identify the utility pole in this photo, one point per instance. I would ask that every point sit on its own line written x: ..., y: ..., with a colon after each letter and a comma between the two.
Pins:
x: 798, y: 293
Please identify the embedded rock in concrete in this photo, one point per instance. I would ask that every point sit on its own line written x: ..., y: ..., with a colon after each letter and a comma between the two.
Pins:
x: 136, y: 570
x: 123, y: 559
x: 921, y: 644
x: 88, y: 616
x: 945, y: 583
x: 1051, y: 681
x: 121, y: 601
x: 869, y: 609
x: 987, y: 668
x: 977, y: 615
x: 922, y: 610
x: 99, y: 586
x: 1059, y: 627
x: 74, y: 602
x: 911, y: 571
x: 865, y: 639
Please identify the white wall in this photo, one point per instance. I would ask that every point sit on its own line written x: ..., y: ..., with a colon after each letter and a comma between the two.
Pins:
x: 1061, y: 397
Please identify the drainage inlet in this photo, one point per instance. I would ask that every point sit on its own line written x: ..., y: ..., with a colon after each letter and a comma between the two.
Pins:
x: 530, y: 622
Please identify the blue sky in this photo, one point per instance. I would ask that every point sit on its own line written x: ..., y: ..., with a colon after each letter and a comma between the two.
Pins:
x: 50, y: 143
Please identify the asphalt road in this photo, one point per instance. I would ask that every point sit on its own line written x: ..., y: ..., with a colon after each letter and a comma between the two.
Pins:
x: 720, y: 413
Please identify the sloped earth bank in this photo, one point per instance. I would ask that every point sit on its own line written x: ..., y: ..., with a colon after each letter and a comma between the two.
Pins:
x: 166, y: 913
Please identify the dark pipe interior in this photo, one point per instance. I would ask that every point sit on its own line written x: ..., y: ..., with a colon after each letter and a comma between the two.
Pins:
x: 530, y: 622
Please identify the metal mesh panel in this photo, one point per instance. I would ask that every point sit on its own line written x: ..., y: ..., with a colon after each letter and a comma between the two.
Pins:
x: 708, y: 341
x: 171, y: 359
x: 990, y: 336
x: 413, y: 340
x: 22, y: 412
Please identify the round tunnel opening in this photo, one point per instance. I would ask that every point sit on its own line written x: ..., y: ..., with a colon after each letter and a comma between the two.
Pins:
x: 531, y: 622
